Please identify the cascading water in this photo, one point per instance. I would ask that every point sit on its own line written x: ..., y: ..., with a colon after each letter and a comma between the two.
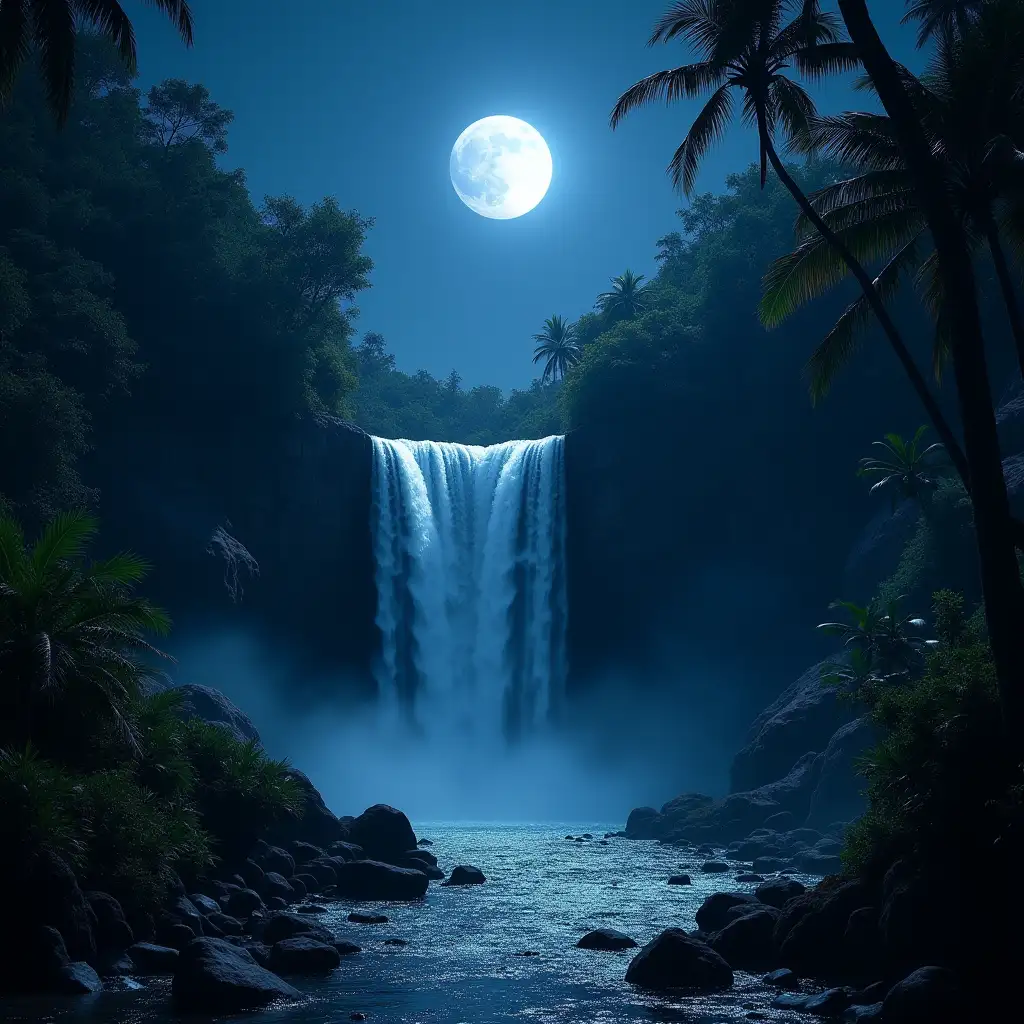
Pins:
x: 471, y: 598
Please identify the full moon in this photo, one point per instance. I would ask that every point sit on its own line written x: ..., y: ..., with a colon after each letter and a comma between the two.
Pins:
x: 500, y: 167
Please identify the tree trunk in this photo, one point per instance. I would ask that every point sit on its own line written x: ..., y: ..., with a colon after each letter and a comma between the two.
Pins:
x: 920, y: 385
x: 1000, y: 573
x: 1006, y: 287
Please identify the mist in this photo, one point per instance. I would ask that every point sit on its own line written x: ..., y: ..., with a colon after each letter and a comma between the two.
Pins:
x: 618, y: 748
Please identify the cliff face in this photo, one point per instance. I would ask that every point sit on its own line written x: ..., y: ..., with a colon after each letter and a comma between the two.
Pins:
x: 268, y: 535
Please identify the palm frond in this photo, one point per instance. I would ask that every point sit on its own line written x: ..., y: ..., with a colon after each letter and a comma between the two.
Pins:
x: 180, y: 13
x: 795, y: 111
x: 708, y: 127
x: 15, y: 44
x: 109, y: 18
x: 844, y: 338
x: 859, y: 138
x: 64, y: 539
x: 825, y: 59
x: 12, y: 550
x: 689, y: 80
x: 53, y: 24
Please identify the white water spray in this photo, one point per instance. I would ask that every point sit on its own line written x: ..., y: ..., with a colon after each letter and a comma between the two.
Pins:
x: 471, y: 600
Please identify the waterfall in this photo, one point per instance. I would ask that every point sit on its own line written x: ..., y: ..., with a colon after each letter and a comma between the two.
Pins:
x: 469, y: 545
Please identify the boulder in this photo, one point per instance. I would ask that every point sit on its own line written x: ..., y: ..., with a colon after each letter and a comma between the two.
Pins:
x: 930, y: 995
x: 214, y: 977
x: 680, y: 880
x: 322, y: 870
x: 714, y: 867
x: 259, y: 951
x: 303, y: 853
x: 347, y: 851
x: 212, y: 706
x: 781, y: 978
x: 112, y: 930
x: 606, y: 939
x: 183, y: 910
x: 383, y: 832
x: 252, y: 874
x: 814, y: 862
x: 748, y: 877
x: 242, y: 902
x: 918, y: 923
x: 35, y: 961
x: 642, y: 823
x: 346, y: 948
x: 675, y: 960
x: 276, y: 859
x: 204, y: 904
x: 173, y: 933
x: 357, y: 918
x: 315, y: 823
x: 309, y: 882
x: 777, y: 892
x: 77, y: 979
x: 466, y: 874
x: 863, y: 1012
x: 303, y: 955
x: 810, y: 933
x: 280, y: 926
x: 152, y: 959
x: 712, y: 914
x: 746, y: 943
x: 276, y: 885
x: 375, y: 880
x: 770, y: 865
x: 803, y: 718
x: 224, y: 923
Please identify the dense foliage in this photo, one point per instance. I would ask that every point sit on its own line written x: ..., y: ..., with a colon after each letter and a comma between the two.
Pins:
x: 98, y: 765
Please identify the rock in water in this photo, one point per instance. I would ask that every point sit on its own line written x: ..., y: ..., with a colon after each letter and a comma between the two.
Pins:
x: 303, y: 955
x: 112, y: 930
x: 280, y: 926
x: 713, y: 913
x: 675, y: 960
x: 746, y: 942
x: 606, y: 938
x: 214, y: 976
x: 375, y: 880
x: 152, y: 959
x: 931, y: 995
x: 465, y: 874
x: 777, y: 892
x: 383, y: 832
x: 357, y: 918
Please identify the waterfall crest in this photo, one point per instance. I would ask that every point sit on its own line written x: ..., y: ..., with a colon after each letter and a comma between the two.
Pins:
x: 469, y: 545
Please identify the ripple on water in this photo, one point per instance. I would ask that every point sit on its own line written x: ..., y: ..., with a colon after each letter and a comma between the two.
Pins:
x: 463, y: 963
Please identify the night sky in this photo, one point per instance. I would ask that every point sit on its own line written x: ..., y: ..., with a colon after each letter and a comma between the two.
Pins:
x: 363, y: 101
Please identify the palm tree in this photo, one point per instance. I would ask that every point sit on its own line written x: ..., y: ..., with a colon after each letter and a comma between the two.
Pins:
x: 969, y: 105
x: 557, y: 346
x: 942, y: 18
x: 72, y: 635
x: 881, y: 633
x: 51, y: 27
x: 626, y: 298
x: 995, y: 532
x: 904, y: 468
x: 745, y: 45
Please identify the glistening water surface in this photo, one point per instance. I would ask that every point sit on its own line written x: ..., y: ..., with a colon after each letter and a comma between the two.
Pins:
x: 462, y: 962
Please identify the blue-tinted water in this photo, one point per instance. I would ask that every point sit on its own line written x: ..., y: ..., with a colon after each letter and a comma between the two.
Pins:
x: 461, y: 964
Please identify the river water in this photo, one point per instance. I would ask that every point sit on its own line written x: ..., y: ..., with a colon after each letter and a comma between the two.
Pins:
x: 462, y: 964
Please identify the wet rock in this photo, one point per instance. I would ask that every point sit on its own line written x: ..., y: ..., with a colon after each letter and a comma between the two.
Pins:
x: 466, y: 874
x: 713, y: 912
x: 863, y: 1012
x: 770, y: 865
x: 322, y: 871
x: 571, y: 839
x: 746, y: 943
x: 311, y: 908
x: 357, y: 918
x: 214, y: 976
x: 309, y: 882
x: 315, y: 822
x: 280, y: 926
x: 675, y: 960
x: 606, y: 939
x: 930, y: 995
x: 680, y: 880
x: 425, y: 842
x: 76, y: 979
x: 781, y: 822
x: 112, y: 930
x: 749, y: 877
x: 777, y: 892
x: 203, y: 903
x: 642, y: 823
x: 782, y: 978
x: 225, y: 923
x: 150, y: 958
x: 396, y: 942
x: 383, y: 832
x: 278, y: 860
x: 714, y: 867
x: 276, y: 885
x: 814, y: 862
x: 303, y: 853
x: 252, y: 874
x: 346, y: 948
x: 375, y: 880
x: 347, y: 851
x: 171, y: 932
x: 357, y: 1016
x: 276, y: 903
x: 872, y: 994
x: 242, y: 902
x: 303, y: 955
x: 829, y: 1003
x: 259, y: 951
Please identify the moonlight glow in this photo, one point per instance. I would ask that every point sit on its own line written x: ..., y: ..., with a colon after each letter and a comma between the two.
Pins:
x: 500, y: 167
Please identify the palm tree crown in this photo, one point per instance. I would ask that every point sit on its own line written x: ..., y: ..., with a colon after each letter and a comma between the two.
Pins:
x: 51, y: 26
x: 943, y: 18
x: 71, y: 633
x: 904, y: 468
x: 745, y: 47
x: 626, y: 297
x: 557, y: 346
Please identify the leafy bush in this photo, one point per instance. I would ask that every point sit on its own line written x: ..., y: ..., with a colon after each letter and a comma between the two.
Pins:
x: 940, y: 783
x: 239, y: 790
